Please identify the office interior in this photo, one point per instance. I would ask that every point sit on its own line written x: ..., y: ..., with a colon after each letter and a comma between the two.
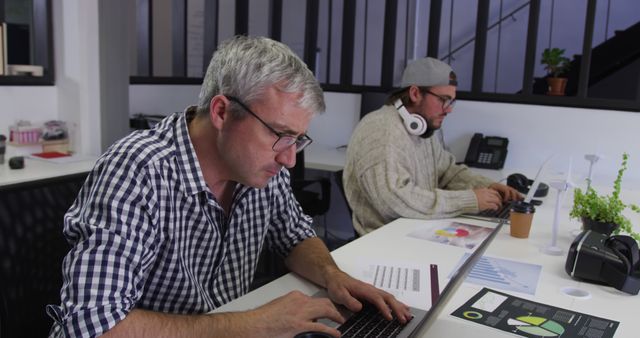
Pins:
x: 99, y: 82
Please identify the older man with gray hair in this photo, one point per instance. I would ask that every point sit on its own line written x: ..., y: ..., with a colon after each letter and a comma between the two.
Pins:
x: 171, y: 221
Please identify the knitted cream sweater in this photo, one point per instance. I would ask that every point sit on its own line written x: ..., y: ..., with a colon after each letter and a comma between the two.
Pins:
x: 390, y: 174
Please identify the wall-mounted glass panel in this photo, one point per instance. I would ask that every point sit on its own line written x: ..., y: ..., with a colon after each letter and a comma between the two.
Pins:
x: 350, y: 39
x: 506, y: 41
x: 457, y: 38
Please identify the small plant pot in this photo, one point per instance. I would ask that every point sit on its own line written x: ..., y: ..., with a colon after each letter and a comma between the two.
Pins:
x: 600, y: 227
x: 557, y: 85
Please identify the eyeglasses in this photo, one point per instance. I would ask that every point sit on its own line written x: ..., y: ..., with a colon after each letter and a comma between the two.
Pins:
x: 447, y: 102
x: 284, y: 141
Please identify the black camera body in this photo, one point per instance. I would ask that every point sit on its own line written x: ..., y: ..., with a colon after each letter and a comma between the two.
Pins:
x: 598, y: 258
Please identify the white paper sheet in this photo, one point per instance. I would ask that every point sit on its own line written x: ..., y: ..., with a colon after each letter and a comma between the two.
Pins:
x: 408, y: 282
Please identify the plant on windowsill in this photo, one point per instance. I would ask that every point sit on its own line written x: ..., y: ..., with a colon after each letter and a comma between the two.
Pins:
x: 556, y: 65
x: 603, y: 213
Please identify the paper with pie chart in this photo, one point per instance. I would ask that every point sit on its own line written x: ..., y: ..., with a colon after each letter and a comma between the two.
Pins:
x: 457, y: 234
x: 526, y: 318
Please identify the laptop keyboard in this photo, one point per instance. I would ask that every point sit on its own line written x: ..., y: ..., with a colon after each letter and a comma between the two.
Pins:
x: 370, y: 323
x: 501, y: 213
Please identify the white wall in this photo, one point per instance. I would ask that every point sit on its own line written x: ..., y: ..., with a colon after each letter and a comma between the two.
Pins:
x: 27, y: 102
x: 161, y: 99
x: 536, y: 132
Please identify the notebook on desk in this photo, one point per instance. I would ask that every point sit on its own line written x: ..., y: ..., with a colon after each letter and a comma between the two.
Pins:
x: 369, y: 323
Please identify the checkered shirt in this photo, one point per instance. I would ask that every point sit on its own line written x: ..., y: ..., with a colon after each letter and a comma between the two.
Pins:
x: 147, y: 233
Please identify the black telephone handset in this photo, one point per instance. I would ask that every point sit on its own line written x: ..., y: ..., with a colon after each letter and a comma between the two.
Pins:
x: 488, y: 152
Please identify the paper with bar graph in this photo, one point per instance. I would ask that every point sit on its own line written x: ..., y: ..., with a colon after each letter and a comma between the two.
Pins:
x: 409, y: 283
x: 504, y: 274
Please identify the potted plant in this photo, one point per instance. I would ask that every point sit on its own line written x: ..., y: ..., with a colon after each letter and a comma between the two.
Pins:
x: 556, y: 66
x: 603, y: 213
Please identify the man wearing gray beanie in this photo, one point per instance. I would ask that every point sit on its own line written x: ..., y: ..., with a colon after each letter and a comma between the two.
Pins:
x: 396, y: 169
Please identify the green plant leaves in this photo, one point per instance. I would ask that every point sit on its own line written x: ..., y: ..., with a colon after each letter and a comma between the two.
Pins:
x: 554, y: 61
x: 605, y: 208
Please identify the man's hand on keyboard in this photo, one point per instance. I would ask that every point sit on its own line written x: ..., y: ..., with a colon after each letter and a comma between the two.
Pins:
x: 346, y: 290
x: 294, y: 313
x: 508, y: 193
x: 488, y: 199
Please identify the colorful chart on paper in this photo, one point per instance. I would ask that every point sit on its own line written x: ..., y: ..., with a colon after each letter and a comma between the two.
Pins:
x: 527, y: 318
x: 457, y: 234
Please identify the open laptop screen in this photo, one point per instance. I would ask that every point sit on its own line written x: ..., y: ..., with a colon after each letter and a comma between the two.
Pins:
x: 422, y: 319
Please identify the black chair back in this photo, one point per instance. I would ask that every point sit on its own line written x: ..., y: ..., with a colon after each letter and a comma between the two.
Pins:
x: 370, y: 101
x: 338, y: 177
x: 31, y: 251
x: 314, y: 195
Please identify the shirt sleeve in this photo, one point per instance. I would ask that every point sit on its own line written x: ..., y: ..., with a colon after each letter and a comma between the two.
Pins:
x: 112, y: 234
x: 289, y: 225
x: 397, y: 194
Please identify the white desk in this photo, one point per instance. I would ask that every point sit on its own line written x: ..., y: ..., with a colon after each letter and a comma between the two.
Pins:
x: 605, y: 301
x: 324, y: 157
x: 35, y: 170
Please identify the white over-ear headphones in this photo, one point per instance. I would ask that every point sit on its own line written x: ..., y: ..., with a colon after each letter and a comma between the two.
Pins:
x: 415, y: 124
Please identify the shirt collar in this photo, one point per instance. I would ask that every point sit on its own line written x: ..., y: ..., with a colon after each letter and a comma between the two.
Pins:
x: 187, y: 161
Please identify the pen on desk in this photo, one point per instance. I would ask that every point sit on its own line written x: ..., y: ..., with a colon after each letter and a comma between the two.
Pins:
x: 435, y: 287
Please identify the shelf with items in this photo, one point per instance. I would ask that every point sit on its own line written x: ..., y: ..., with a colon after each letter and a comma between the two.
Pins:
x: 53, y: 136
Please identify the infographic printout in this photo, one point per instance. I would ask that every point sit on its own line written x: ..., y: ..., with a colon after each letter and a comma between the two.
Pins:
x: 463, y: 235
x: 526, y: 318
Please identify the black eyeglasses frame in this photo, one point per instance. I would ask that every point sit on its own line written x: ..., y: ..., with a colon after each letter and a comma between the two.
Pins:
x: 284, y: 140
x: 447, y: 102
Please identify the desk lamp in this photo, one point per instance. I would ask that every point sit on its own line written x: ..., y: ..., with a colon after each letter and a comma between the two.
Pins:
x: 561, y: 186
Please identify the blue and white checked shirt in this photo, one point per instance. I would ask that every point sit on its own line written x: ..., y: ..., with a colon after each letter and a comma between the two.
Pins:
x: 148, y: 233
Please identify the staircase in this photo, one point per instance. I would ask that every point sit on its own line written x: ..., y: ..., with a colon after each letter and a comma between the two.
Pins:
x: 607, y: 58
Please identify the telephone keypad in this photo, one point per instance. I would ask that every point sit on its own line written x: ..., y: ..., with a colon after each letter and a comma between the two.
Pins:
x: 485, y: 158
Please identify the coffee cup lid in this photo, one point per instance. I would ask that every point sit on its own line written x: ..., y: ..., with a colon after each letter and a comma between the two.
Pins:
x: 523, y: 207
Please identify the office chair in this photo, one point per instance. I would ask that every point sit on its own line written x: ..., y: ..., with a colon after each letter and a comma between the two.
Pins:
x: 313, y: 203
x: 338, y: 177
x: 32, y: 247
x: 3, y: 312
x: 370, y: 101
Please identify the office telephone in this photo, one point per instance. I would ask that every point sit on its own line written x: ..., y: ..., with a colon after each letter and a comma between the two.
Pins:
x: 487, y: 152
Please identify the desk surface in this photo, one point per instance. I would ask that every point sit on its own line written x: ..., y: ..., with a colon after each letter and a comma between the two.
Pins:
x: 324, y: 157
x: 35, y: 170
x: 604, y: 302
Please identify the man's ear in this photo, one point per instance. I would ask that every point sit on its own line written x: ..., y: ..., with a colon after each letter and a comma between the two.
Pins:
x: 218, y: 111
x: 415, y: 94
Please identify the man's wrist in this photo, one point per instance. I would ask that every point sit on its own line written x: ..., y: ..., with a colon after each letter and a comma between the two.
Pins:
x: 330, y: 273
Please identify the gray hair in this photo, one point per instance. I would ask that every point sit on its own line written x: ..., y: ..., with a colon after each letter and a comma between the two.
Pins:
x: 245, y: 67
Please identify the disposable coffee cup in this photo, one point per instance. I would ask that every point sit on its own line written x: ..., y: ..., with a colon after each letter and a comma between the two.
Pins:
x: 520, y: 217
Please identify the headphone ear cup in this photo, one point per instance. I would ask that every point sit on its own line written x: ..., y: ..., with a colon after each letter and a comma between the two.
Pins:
x: 414, y: 123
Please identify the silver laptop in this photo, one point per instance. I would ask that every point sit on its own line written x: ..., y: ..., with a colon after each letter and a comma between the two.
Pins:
x: 369, y: 323
x: 502, y: 214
